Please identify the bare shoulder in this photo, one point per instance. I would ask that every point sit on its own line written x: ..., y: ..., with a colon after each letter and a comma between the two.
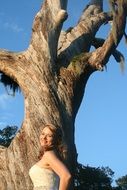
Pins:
x: 50, y: 154
x: 56, y: 164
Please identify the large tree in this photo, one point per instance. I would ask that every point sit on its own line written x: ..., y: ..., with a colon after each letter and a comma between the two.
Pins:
x: 52, y: 74
x: 91, y: 178
x: 122, y: 182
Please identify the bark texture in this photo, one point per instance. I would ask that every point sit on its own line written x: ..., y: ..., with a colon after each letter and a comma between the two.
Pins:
x: 52, y: 74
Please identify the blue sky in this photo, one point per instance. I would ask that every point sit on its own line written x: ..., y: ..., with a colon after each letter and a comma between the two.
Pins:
x: 101, y: 124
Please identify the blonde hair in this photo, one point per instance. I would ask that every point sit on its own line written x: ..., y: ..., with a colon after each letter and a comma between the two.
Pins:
x: 58, y: 142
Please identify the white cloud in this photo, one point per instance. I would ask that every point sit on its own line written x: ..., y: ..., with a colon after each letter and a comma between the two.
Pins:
x: 13, y: 26
x: 6, y: 119
x: 3, y: 100
x: 2, y: 124
x: 9, y: 23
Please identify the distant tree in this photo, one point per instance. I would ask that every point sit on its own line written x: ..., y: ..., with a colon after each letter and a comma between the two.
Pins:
x: 7, y: 134
x: 91, y: 178
x: 116, y: 188
x: 122, y: 183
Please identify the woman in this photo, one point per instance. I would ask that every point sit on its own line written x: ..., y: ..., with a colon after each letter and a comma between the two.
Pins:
x: 50, y: 172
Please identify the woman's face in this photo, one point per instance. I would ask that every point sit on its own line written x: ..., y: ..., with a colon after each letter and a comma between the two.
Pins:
x: 46, y: 137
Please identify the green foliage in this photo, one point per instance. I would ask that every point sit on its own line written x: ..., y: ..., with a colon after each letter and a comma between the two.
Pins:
x: 7, y: 134
x: 116, y: 188
x: 91, y: 178
x: 78, y: 62
x: 122, y: 182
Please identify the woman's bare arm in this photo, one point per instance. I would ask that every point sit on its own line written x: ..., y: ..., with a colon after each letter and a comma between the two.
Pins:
x: 59, y: 168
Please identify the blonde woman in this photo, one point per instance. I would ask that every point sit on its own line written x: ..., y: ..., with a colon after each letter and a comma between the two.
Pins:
x: 50, y: 172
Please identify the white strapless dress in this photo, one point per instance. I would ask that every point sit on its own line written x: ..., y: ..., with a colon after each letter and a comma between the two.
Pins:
x: 43, y: 179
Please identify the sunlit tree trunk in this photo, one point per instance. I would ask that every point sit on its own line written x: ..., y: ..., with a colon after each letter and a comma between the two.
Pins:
x: 52, y: 74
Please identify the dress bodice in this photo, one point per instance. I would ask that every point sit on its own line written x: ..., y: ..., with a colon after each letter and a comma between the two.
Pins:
x: 43, y: 178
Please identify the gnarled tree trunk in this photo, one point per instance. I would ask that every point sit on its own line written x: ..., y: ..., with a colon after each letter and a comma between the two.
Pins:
x: 52, y: 74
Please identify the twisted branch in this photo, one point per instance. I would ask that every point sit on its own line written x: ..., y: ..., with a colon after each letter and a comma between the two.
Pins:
x: 100, y: 57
